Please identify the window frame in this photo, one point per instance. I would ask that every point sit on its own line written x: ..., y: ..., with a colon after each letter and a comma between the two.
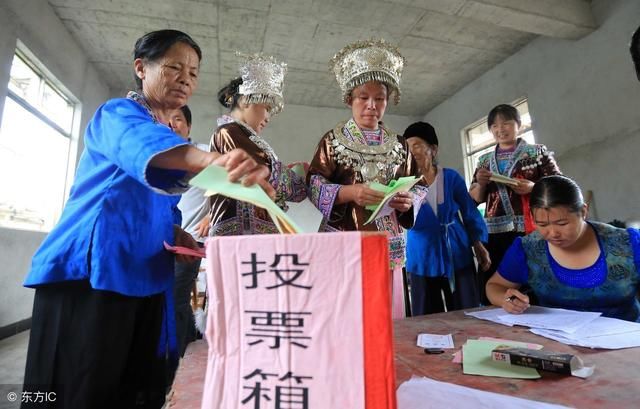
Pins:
x: 468, y: 153
x: 47, y: 78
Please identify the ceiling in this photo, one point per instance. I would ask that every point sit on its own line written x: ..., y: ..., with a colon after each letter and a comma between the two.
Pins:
x: 446, y: 43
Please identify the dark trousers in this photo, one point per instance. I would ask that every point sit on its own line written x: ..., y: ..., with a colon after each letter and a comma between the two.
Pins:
x: 497, y: 246
x: 95, y: 349
x: 185, y: 274
x: 426, y: 293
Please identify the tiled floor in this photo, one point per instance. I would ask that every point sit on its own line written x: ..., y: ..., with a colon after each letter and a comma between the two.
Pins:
x: 13, y: 354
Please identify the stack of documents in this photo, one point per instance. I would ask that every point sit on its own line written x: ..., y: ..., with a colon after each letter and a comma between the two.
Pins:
x: 586, y: 329
x: 603, y: 332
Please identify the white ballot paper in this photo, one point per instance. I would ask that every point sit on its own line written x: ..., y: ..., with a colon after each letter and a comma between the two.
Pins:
x: 435, y: 341
x: 551, y: 318
x: 426, y: 393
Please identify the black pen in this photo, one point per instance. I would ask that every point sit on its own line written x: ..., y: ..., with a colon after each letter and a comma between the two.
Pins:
x: 513, y: 297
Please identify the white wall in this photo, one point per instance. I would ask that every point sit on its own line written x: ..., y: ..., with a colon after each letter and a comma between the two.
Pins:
x: 585, y: 102
x: 294, y: 133
x: 37, y: 26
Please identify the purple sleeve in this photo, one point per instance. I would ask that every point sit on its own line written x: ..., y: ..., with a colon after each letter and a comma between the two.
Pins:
x: 513, y: 266
x: 288, y: 185
x: 323, y: 194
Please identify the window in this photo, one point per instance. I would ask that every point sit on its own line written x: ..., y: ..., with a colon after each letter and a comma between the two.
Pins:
x: 478, y: 140
x: 35, y: 145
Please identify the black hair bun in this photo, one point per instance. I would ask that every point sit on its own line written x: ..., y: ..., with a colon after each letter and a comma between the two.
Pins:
x: 227, y: 95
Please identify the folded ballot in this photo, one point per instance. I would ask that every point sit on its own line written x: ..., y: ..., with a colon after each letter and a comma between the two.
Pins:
x: 505, y: 180
x: 543, y: 360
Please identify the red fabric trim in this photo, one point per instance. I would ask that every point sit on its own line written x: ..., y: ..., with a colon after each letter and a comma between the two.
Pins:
x: 379, y: 369
x: 529, y: 225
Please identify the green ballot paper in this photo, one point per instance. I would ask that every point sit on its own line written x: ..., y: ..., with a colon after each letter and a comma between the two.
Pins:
x: 401, y: 185
x: 215, y: 180
x: 477, y: 360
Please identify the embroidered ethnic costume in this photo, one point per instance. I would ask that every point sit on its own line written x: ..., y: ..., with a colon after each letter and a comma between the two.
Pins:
x: 232, y: 217
x: 262, y: 83
x: 609, y: 286
x: 348, y: 155
x: 504, y: 212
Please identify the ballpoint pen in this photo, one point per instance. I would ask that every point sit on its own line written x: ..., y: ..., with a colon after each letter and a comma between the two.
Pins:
x: 513, y: 297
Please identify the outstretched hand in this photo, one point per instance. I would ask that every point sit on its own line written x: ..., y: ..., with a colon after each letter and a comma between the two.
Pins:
x: 241, y: 166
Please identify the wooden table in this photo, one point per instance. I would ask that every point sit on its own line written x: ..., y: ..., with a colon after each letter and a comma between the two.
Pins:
x: 614, y: 384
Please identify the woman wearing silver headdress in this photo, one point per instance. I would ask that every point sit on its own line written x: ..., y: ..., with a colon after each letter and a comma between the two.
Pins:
x: 361, y: 150
x: 253, y: 98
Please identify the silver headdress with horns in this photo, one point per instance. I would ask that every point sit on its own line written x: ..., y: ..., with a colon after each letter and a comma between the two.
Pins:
x: 364, y: 61
x: 262, y: 80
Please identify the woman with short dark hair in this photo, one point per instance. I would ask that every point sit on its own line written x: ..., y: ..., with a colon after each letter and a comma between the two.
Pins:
x: 102, y: 315
x: 570, y: 262
x: 506, y: 203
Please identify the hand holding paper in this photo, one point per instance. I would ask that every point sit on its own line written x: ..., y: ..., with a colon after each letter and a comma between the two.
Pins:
x: 242, y: 167
x: 361, y: 194
x: 401, y: 201
x: 215, y: 180
x: 505, y: 180
x: 403, y: 184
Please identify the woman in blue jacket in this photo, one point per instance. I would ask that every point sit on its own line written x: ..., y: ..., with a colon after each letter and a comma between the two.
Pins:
x: 448, y: 225
x: 101, y: 322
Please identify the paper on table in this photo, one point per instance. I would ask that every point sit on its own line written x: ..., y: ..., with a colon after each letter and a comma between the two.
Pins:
x: 214, y: 180
x: 603, y: 332
x: 457, y: 357
x: 551, y: 318
x: 426, y: 393
x: 476, y: 360
x: 599, y: 327
x: 382, y: 209
x: 184, y: 250
x: 435, y: 341
x: 505, y: 180
x: 491, y: 314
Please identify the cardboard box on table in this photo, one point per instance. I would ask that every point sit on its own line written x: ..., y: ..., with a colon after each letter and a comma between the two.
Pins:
x: 299, y: 321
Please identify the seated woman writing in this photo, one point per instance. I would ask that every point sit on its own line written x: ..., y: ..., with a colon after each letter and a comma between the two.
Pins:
x: 569, y: 262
